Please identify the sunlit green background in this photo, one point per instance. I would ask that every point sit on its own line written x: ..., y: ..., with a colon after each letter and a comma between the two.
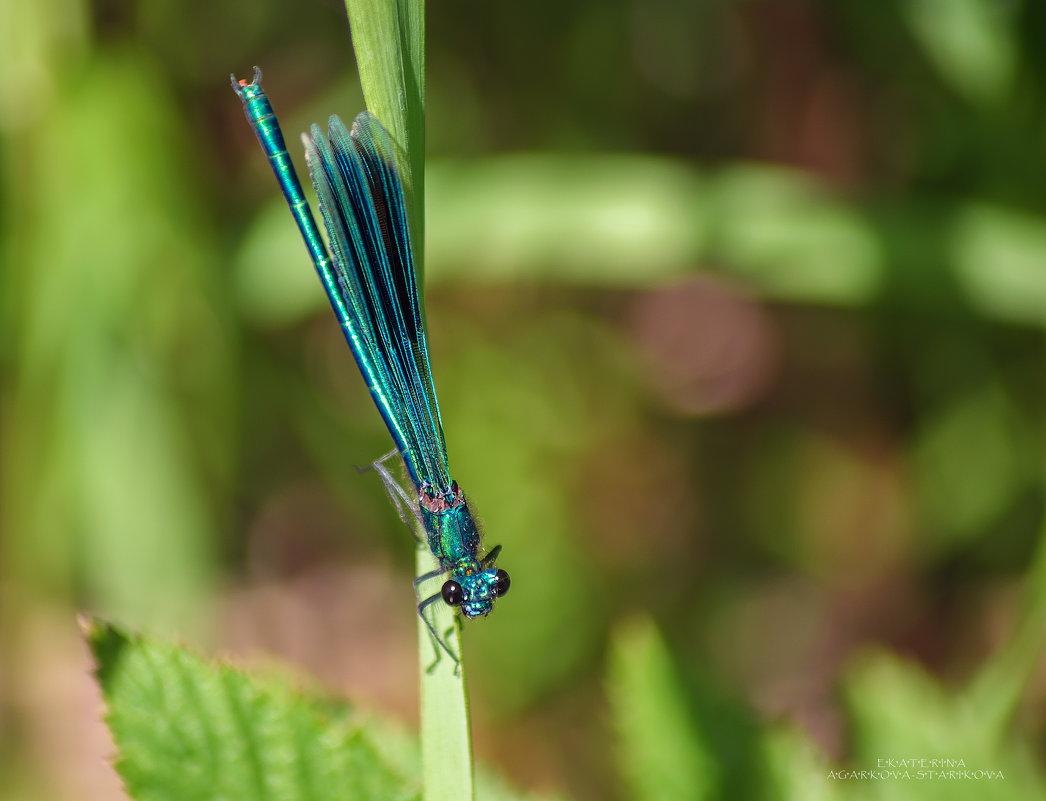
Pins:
x: 737, y: 318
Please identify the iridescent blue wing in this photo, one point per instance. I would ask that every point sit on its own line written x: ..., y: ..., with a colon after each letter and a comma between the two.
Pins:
x: 362, y: 203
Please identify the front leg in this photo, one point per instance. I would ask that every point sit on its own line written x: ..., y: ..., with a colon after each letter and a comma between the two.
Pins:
x: 437, y: 640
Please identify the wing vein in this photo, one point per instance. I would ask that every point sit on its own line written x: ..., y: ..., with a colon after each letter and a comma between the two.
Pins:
x: 364, y: 211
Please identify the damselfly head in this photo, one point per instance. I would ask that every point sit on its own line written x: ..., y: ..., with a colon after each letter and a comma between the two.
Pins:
x: 475, y: 592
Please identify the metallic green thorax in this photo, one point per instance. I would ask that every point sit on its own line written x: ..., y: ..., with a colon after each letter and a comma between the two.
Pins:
x: 454, y: 537
x: 368, y: 274
x: 452, y: 533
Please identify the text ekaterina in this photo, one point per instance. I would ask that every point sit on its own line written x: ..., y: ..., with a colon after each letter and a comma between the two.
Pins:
x: 369, y: 277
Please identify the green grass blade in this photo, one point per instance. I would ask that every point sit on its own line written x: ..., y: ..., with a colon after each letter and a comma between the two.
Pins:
x: 389, y: 39
x: 446, y: 743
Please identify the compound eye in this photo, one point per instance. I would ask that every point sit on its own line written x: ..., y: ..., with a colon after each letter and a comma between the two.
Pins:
x: 501, y: 583
x: 452, y: 593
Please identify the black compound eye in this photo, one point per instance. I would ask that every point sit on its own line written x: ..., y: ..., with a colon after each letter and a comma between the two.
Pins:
x: 452, y: 593
x: 501, y: 583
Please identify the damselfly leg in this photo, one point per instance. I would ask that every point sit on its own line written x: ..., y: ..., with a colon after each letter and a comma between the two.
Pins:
x: 438, y: 642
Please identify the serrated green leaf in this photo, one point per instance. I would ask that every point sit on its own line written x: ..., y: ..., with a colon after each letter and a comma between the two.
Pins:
x: 186, y: 730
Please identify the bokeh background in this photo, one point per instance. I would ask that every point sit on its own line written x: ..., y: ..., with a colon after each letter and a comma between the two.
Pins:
x: 736, y: 313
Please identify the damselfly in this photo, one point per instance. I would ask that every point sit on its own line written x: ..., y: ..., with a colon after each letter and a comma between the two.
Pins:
x: 369, y: 277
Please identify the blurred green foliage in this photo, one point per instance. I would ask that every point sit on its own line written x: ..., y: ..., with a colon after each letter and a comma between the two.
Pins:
x: 737, y: 312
